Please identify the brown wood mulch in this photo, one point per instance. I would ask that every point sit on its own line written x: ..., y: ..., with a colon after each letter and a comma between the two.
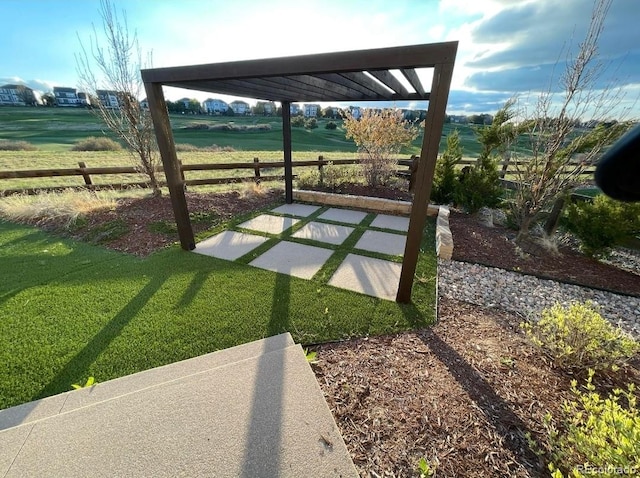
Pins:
x: 461, y: 394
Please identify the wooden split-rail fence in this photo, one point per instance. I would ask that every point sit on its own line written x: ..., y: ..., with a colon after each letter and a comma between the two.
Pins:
x: 88, y: 173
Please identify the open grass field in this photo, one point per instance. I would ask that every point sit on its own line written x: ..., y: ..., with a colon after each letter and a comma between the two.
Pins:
x: 56, y: 129
x: 70, y: 310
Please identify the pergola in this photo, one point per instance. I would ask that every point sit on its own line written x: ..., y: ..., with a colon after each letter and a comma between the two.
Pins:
x: 353, y: 76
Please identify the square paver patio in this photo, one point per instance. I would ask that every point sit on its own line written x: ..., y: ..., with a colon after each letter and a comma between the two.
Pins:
x: 269, y: 224
x: 375, y: 277
x: 301, y: 210
x: 386, y: 221
x: 321, y: 232
x: 343, y: 215
x: 296, y: 260
x: 229, y: 245
x: 382, y: 242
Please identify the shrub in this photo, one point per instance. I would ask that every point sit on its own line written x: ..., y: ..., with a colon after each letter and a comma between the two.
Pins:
x: 333, y: 176
x: 331, y: 125
x: 577, y: 337
x: 379, y: 136
x: 16, y: 146
x: 601, y: 224
x: 297, y: 121
x: 597, y: 436
x: 93, y: 143
x: 308, y: 179
x: 311, y: 123
x: 478, y: 186
x: 445, y: 178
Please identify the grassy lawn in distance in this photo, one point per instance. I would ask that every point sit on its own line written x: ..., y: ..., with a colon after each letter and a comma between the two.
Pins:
x: 71, y: 310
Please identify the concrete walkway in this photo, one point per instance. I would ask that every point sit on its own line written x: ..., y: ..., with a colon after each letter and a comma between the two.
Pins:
x: 254, y: 410
x: 358, y: 272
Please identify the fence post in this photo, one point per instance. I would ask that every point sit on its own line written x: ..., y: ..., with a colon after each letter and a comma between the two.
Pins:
x: 505, y: 164
x: 256, y: 170
x: 321, y: 170
x: 87, y: 177
x: 182, y: 175
x: 413, y: 170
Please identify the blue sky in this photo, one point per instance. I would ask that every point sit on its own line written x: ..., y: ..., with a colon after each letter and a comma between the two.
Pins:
x: 507, y: 47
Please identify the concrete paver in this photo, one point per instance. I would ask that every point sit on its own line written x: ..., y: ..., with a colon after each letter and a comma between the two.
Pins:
x: 347, y: 216
x: 375, y: 277
x: 322, y: 232
x: 294, y: 259
x: 260, y: 415
x: 300, y: 210
x: 382, y: 242
x: 387, y: 221
x: 269, y: 224
x: 229, y: 245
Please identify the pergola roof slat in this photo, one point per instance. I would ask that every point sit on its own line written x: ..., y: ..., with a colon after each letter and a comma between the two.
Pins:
x: 380, y: 92
x: 411, y: 76
x: 391, y: 81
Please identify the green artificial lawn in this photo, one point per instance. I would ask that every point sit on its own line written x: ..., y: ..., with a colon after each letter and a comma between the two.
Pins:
x: 70, y: 310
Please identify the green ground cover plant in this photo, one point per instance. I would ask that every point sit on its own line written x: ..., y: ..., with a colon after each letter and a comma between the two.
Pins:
x: 596, y: 435
x: 69, y: 310
x: 578, y: 338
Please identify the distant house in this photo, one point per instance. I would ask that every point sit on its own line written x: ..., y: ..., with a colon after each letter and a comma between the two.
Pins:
x: 186, y: 102
x: 356, y: 112
x: 311, y: 110
x: 265, y: 108
x: 332, y: 112
x: 18, y: 95
x: 294, y: 109
x: 144, y: 104
x: 108, y: 98
x: 240, y: 107
x: 214, y: 106
x: 66, y: 96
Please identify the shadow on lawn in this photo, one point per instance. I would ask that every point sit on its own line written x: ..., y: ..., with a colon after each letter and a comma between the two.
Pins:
x: 87, y: 356
x: 263, y: 446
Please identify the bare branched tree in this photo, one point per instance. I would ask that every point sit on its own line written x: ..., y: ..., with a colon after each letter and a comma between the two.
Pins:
x: 109, y: 70
x: 567, y: 131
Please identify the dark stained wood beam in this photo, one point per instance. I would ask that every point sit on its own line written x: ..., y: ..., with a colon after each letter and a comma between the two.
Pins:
x: 327, y: 87
x: 424, y: 176
x: 411, y: 76
x: 286, y: 147
x: 341, y: 80
x: 413, y: 56
x: 167, y: 147
x: 391, y: 81
x: 380, y: 91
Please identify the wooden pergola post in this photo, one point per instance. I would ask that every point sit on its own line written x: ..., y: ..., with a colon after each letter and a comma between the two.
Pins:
x: 424, y: 177
x: 167, y: 147
x: 286, y: 147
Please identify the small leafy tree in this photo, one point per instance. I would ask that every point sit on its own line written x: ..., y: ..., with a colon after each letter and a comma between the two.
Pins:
x: 379, y: 135
x: 115, y: 66
x: 445, y: 176
x: 560, y: 150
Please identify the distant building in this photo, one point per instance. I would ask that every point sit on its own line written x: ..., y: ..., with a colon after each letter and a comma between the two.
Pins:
x: 240, y: 107
x: 311, y: 110
x: 214, y: 106
x: 144, y: 104
x: 294, y: 109
x: 66, y: 96
x: 265, y: 108
x: 108, y: 98
x: 356, y: 112
x: 18, y: 95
